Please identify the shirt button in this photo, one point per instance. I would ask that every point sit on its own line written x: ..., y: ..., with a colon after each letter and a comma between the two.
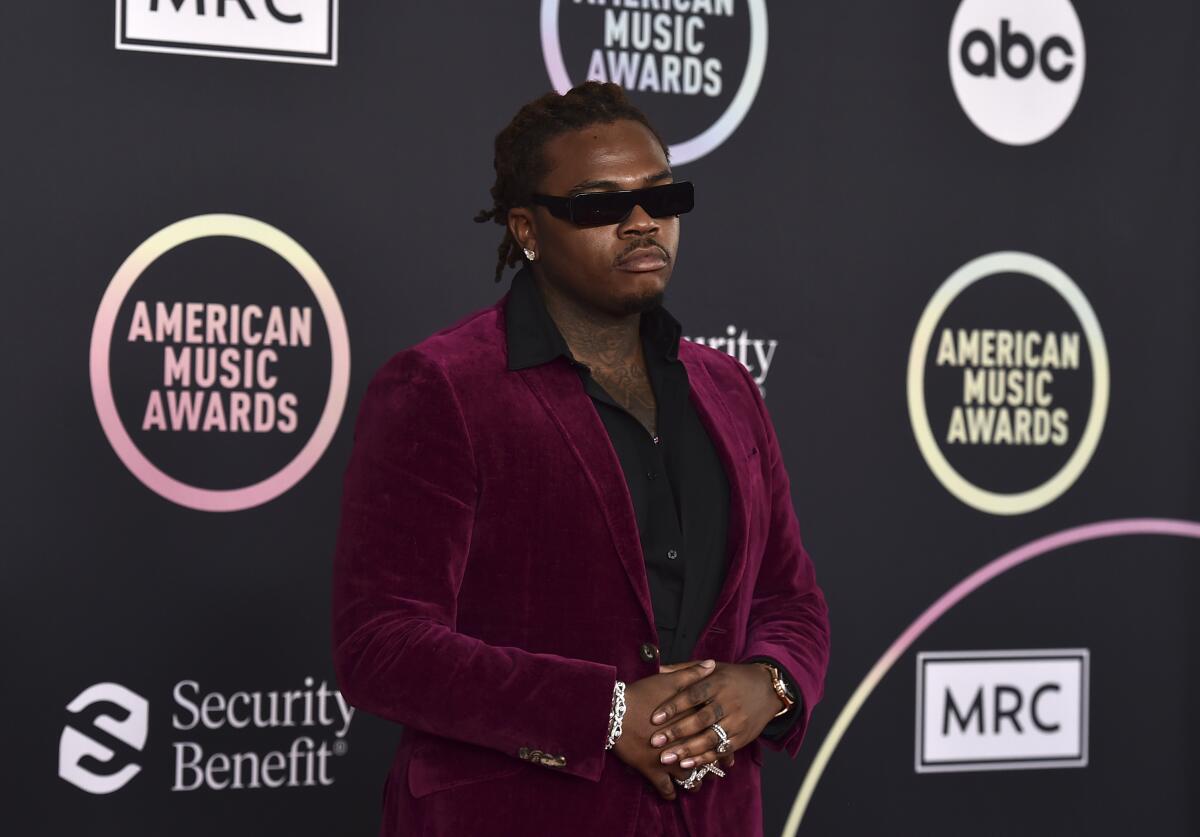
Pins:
x: 648, y: 652
x: 650, y: 475
x: 672, y: 554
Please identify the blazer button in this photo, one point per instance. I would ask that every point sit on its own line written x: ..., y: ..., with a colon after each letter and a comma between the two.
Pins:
x: 649, y: 652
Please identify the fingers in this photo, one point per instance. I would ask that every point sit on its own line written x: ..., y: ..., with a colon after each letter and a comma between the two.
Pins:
x: 690, y: 690
x: 698, y: 782
x: 691, y: 749
x: 668, y: 789
x: 694, y: 670
x: 695, y: 723
x: 699, y: 760
x: 665, y: 785
x: 699, y: 753
x: 667, y: 668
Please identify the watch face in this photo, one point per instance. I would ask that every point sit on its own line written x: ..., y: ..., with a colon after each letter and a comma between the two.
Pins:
x: 778, y: 675
x: 787, y: 687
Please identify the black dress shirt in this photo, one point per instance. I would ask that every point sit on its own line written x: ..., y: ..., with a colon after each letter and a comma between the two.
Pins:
x: 678, y: 486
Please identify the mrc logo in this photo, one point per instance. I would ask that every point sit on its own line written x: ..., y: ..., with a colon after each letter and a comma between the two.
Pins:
x: 1001, y: 710
x: 293, y: 31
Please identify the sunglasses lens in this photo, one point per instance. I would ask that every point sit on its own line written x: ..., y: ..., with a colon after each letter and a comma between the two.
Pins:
x: 594, y: 209
x: 671, y: 199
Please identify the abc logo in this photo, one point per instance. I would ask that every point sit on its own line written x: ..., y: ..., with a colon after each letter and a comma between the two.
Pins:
x: 1017, y: 66
x: 982, y: 61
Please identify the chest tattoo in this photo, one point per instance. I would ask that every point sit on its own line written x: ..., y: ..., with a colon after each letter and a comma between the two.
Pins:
x: 616, y: 363
x: 629, y: 386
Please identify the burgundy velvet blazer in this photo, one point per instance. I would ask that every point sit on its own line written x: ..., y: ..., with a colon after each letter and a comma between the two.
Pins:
x: 489, y: 588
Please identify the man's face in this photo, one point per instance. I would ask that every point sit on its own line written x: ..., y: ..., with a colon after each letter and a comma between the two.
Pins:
x: 622, y: 268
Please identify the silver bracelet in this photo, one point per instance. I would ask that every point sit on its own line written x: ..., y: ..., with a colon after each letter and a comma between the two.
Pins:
x: 616, y: 714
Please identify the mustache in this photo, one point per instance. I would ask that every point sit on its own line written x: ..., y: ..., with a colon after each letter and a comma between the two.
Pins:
x: 643, y: 244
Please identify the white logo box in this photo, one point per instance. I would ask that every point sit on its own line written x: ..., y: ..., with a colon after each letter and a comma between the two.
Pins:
x: 293, y: 31
x: 1001, y: 710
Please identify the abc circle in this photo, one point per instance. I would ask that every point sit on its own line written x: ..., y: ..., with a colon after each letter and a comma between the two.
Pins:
x: 1017, y: 66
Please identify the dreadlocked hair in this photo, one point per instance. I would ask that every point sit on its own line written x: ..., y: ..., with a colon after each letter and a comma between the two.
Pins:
x: 519, y: 162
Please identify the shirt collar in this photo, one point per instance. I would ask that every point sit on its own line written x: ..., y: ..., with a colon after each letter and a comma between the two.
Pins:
x: 533, y: 337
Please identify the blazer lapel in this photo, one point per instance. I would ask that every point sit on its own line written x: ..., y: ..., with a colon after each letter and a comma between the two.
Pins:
x: 717, y: 419
x: 556, y: 385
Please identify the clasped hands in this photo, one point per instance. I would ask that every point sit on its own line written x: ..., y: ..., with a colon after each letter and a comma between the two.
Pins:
x: 667, y: 730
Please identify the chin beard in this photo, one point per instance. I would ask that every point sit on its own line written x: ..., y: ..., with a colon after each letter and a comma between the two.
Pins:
x: 641, y: 304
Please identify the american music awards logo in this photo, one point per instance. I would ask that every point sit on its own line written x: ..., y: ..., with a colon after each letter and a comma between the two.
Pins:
x: 220, y: 362
x: 695, y: 66
x: 1008, y: 383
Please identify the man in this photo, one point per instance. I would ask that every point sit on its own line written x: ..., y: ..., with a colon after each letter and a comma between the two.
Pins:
x: 558, y: 516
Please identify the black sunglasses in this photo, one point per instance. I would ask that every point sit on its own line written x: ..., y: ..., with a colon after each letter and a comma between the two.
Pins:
x: 598, y: 209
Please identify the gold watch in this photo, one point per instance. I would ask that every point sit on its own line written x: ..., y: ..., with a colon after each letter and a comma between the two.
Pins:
x: 780, y: 685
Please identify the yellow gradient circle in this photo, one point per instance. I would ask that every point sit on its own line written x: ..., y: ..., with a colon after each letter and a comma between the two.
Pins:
x: 970, y: 273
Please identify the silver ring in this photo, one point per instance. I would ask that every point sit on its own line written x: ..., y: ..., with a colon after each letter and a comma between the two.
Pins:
x: 723, y: 746
x: 690, y: 781
x: 698, y: 773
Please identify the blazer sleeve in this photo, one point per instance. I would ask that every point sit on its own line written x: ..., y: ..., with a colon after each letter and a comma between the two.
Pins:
x: 407, y: 510
x: 789, y: 620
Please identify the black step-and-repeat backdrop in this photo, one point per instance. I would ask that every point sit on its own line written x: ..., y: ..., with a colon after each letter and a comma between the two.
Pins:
x: 954, y: 241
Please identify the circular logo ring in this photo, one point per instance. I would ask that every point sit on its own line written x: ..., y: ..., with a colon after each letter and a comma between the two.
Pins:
x: 1026, y: 110
x: 955, y: 483
x: 726, y: 124
x: 287, y: 248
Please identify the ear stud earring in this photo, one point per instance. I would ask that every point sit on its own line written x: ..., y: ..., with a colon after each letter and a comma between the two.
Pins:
x: 529, y: 254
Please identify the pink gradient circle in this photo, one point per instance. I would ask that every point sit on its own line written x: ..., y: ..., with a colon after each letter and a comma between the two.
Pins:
x: 998, y: 566
x: 287, y: 248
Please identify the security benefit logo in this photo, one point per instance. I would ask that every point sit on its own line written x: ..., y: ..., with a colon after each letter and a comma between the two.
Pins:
x: 695, y: 64
x: 754, y: 353
x: 293, y: 31
x: 219, y: 362
x: 1008, y: 383
x: 1017, y: 66
x: 1001, y: 710
x: 217, y: 740
x: 107, y: 731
